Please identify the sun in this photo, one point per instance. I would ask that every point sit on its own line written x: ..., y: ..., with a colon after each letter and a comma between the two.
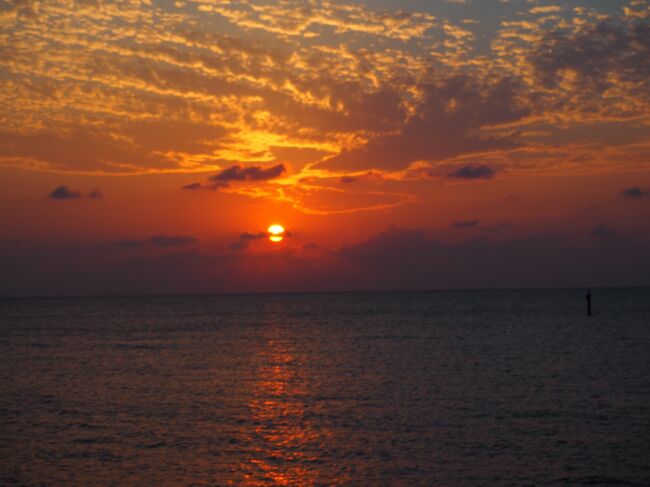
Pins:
x: 276, y: 233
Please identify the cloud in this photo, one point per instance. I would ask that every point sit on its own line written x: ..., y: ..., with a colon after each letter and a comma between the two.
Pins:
x: 63, y: 193
x: 445, y: 124
x: 193, y: 186
x: 156, y: 241
x: 238, y: 173
x: 609, y: 236
x: 499, y: 227
x: 253, y: 236
x: 396, y: 259
x: 209, y: 186
x: 602, y: 231
x: 635, y: 192
x: 251, y: 173
x: 246, y: 239
x: 465, y: 224
x: 297, y: 18
x: 410, y: 259
x: 129, y: 244
x: 239, y: 245
x: 598, y: 56
x: 472, y: 172
x: 547, y: 9
x: 262, y: 90
x: 79, y: 149
x: 173, y: 241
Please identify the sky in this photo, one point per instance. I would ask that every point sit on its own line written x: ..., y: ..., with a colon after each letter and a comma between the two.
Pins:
x: 146, y: 146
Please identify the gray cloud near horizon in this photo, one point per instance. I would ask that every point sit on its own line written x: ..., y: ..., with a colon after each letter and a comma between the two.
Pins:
x: 390, y: 260
x: 464, y: 224
x: 62, y: 193
x: 472, y: 172
x: 635, y: 192
x: 171, y: 241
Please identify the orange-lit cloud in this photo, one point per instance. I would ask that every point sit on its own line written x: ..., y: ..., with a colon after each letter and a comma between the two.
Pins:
x: 335, y: 118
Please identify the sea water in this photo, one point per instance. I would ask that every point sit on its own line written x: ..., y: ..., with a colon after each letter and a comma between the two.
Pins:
x: 437, y: 388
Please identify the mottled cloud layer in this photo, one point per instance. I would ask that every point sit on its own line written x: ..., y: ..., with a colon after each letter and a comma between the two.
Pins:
x: 294, y: 97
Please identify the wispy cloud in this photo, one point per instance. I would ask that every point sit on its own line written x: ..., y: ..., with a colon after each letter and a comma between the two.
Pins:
x: 635, y: 192
x: 62, y: 193
x: 465, y: 224
x: 472, y: 172
x: 171, y: 241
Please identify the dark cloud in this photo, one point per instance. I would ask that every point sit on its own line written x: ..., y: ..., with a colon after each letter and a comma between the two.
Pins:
x: 409, y: 259
x: 465, y: 224
x: 193, y: 186
x: 499, y: 227
x: 247, y: 238
x: 635, y: 193
x: 250, y: 173
x: 609, y: 236
x: 129, y: 244
x: 210, y: 186
x: 472, y: 172
x: 602, y: 231
x: 347, y: 179
x: 253, y: 236
x: 64, y: 193
x: 593, y: 54
x: 173, y: 241
x: 238, y: 173
x: 239, y: 245
x: 377, y: 111
x: 443, y: 126
x: 397, y: 259
x: 411, y: 243
x: 310, y: 246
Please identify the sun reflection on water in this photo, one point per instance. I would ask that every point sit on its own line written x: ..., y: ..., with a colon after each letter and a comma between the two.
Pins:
x: 284, y: 451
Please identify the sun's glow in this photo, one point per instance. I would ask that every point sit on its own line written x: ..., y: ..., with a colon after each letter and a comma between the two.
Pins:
x: 276, y: 229
x: 276, y: 233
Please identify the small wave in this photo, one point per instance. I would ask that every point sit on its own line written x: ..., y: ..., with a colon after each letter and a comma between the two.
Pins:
x: 599, y: 480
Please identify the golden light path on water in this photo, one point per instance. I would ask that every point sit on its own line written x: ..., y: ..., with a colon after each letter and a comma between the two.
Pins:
x: 285, y: 450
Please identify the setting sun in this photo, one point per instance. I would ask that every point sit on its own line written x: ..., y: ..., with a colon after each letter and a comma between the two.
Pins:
x: 276, y: 233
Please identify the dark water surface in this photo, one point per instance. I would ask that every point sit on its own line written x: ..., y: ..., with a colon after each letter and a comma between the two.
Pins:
x: 442, y: 388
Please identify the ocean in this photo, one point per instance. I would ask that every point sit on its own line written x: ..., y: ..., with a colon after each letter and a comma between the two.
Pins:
x: 455, y: 388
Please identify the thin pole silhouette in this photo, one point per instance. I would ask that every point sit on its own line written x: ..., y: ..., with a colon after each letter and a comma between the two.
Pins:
x: 588, y: 298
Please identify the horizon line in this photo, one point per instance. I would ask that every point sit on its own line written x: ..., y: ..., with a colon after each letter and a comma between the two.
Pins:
x: 296, y: 293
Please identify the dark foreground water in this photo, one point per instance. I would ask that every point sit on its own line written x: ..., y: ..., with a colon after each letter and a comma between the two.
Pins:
x: 448, y: 388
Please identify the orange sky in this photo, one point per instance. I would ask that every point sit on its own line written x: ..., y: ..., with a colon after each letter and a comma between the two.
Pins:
x: 402, y: 144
